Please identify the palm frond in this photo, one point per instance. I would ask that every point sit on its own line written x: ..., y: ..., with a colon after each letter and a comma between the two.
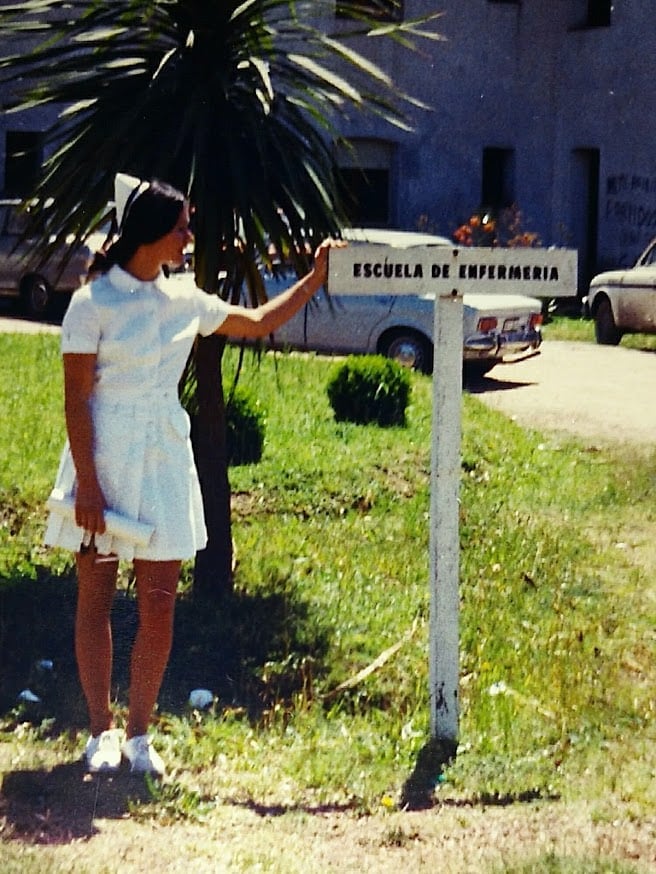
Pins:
x: 237, y: 103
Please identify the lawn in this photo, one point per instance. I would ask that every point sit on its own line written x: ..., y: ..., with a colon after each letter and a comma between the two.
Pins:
x: 558, y: 609
x: 582, y: 330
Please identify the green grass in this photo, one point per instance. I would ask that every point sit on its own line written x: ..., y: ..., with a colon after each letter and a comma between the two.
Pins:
x: 331, y: 533
x: 567, y: 328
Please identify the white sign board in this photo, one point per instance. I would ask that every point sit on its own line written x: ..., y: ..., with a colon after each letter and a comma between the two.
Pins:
x: 372, y: 268
x: 447, y: 273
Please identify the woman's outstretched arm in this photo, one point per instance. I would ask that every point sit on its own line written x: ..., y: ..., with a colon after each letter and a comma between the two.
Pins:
x: 266, y: 319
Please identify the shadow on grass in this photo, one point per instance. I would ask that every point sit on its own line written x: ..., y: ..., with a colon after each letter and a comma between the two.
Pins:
x: 419, y: 789
x: 249, y: 650
x: 476, y: 385
x: 61, y: 805
x: 271, y: 811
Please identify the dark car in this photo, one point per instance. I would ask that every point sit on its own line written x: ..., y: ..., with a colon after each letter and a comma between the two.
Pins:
x: 25, y: 278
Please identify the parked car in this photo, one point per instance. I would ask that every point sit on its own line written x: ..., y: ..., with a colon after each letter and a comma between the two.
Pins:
x: 497, y: 327
x: 624, y: 301
x: 23, y: 277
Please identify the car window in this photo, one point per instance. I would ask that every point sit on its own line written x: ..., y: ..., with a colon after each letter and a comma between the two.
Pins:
x: 649, y: 257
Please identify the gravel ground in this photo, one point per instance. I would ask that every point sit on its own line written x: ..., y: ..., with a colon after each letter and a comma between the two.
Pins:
x: 600, y: 393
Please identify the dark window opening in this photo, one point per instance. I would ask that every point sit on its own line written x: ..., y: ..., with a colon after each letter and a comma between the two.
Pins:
x: 382, y: 10
x: 497, y: 181
x: 23, y: 158
x: 585, y: 211
x: 599, y: 13
x: 366, y: 195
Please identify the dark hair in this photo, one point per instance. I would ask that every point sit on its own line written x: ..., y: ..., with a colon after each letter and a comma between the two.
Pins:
x: 148, y: 217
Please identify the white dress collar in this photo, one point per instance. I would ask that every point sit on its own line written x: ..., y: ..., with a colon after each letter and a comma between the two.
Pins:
x: 125, y: 281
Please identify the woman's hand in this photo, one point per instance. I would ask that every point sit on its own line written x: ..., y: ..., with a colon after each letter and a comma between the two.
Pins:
x: 90, y: 507
x: 320, y: 269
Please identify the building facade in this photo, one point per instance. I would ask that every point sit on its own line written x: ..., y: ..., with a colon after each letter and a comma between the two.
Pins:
x: 546, y: 106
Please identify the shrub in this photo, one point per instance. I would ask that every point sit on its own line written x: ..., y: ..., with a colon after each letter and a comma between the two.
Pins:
x: 245, y: 426
x: 369, y: 388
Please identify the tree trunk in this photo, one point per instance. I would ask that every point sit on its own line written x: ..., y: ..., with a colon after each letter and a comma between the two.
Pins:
x: 213, y: 568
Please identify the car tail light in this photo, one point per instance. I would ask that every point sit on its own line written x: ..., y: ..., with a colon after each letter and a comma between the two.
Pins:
x: 487, y: 324
x: 535, y: 320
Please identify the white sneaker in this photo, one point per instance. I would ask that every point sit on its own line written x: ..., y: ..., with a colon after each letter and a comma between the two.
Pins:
x: 142, y: 756
x: 103, y: 752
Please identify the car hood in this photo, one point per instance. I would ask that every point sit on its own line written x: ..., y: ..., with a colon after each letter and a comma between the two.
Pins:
x: 610, y: 277
x: 496, y: 302
x: 397, y: 239
x: 502, y: 302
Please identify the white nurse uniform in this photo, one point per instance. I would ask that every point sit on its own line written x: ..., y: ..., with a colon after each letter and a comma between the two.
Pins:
x: 142, y: 334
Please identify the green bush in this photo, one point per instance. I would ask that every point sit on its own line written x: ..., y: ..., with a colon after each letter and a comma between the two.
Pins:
x: 245, y: 426
x: 369, y: 388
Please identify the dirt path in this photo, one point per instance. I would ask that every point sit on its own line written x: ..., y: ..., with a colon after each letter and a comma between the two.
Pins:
x: 601, y: 393
x: 464, y: 840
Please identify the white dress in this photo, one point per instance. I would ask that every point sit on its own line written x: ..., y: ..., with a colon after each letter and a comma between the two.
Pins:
x: 142, y: 334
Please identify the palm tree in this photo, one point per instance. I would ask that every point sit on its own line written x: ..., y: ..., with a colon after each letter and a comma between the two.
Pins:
x: 235, y: 102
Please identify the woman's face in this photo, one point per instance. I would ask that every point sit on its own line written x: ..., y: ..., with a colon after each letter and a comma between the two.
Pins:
x: 170, y: 248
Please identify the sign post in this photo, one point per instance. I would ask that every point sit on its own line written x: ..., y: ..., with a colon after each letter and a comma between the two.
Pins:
x: 444, y: 543
x: 448, y: 273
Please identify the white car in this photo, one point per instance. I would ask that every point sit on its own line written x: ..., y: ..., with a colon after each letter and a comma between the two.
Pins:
x: 28, y: 280
x: 496, y: 326
x: 624, y: 301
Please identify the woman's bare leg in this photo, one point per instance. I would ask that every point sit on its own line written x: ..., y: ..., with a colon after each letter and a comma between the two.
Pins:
x: 157, y: 583
x: 93, y: 635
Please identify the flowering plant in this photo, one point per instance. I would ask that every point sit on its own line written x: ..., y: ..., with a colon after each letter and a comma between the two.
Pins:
x: 484, y: 229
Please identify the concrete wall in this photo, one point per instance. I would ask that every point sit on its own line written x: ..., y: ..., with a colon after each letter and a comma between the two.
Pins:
x: 529, y: 77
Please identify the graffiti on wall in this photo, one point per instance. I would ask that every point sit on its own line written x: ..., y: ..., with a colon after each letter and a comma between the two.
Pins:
x: 630, y: 210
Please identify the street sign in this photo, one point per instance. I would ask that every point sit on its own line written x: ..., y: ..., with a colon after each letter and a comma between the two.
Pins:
x: 372, y: 268
x: 447, y: 273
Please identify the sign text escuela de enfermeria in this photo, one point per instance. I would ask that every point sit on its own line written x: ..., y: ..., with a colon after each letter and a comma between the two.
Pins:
x: 376, y: 269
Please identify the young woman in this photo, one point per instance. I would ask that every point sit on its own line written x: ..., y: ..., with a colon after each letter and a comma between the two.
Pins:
x: 125, y: 340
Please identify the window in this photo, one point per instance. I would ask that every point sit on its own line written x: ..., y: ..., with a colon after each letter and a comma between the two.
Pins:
x: 590, y: 14
x: 23, y: 157
x: 584, y: 210
x: 364, y: 176
x: 383, y: 10
x: 498, y: 178
x: 599, y: 13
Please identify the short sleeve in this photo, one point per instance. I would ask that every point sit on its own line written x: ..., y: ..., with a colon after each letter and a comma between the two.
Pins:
x: 212, y: 312
x: 80, y: 326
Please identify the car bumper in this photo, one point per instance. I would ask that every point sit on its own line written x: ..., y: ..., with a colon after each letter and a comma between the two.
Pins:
x: 482, y: 346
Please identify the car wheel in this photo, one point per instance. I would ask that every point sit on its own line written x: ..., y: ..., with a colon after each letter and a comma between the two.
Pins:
x: 606, y: 331
x: 36, y: 296
x: 409, y: 348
